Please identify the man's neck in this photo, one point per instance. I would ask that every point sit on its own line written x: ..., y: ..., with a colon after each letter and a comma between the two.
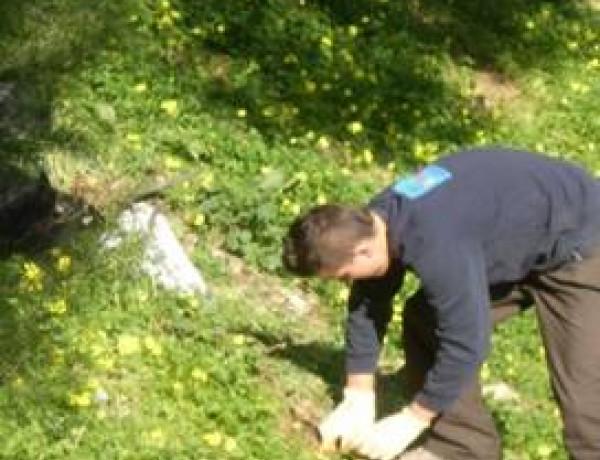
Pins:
x: 381, y: 239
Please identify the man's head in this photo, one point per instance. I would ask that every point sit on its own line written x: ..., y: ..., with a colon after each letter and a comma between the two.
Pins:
x: 334, y: 241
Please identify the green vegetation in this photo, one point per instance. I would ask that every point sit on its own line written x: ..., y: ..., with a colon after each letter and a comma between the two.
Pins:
x: 272, y: 106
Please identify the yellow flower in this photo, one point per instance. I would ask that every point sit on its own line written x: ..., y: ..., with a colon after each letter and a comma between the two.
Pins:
x: 33, y: 276
x: 170, y: 107
x: 544, y: 450
x: 355, y: 127
x: 342, y: 294
x: 18, y: 382
x: 208, y: 180
x: 172, y: 163
x: 241, y: 113
x: 57, y: 307
x: 268, y: 112
x: 177, y: 387
x: 290, y: 59
x: 310, y: 86
x: 156, y: 438
x: 199, y: 374
x: 128, y: 344
x: 321, y: 199
x: 239, y: 339
x: 140, y: 87
x: 133, y: 137
x: 213, y: 439
x: 152, y: 346
x: 32, y: 272
x: 301, y: 176
x: 326, y: 41
x: 323, y: 142
x: 199, y: 220
x: 368, y: 156
x: 83, y: 399
x: 63, y: 264
x: 426, y: 152
x: 230, y: 445
x: 485, y: 372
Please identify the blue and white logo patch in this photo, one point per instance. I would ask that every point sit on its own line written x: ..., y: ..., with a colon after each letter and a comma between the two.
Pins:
x: 417, y: 185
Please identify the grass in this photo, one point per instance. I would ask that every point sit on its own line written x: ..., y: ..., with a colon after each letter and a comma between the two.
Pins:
x: 270, y: 107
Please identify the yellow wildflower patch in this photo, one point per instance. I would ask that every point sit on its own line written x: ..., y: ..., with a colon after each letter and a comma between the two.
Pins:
x: 128, y: 345
x: 170, y: 107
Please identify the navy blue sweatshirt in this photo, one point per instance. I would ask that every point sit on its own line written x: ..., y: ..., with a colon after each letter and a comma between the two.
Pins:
x: 463, y: 224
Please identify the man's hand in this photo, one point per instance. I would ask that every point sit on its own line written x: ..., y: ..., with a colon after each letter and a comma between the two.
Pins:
x: 350, y: 421
x: 392, y: 435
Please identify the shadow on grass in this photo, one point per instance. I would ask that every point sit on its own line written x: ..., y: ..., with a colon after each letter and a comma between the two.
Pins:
x: 33, y: 218
x: 42, y: 42
x: 322, y: 360
x: 317, y: 68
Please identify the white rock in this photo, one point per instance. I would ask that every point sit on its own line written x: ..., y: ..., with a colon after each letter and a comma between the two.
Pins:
x: 164, y: 258
x: 297, y: 303
x: 500, y: 392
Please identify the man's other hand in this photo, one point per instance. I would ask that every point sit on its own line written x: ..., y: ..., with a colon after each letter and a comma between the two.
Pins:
x: 350, y: 421
x: 392, y: 435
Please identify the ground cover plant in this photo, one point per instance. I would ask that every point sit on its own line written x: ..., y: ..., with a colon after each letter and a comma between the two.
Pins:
x: 253, y: 111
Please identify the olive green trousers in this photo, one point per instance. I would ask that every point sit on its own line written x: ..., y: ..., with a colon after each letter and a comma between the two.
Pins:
x: 567, y: 304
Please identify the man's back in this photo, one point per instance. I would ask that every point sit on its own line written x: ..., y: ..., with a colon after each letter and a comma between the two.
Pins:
x: 523, y: 211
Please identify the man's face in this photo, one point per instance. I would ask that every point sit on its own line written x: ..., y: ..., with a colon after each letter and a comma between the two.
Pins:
x: 368, y: 261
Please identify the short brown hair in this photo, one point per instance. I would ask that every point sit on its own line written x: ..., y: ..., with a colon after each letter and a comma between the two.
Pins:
x: 325, y: 237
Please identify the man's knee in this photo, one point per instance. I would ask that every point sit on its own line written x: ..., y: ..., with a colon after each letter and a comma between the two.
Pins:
x: 581, y: 428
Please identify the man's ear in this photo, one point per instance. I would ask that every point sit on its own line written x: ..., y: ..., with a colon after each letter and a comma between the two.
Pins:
x: 364, y: 249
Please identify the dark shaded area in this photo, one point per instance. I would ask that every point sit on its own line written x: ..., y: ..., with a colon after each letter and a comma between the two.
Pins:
x: 26, y: 203
x: 300, y: 69
x: 34, y: 216
x: 385, y: 64
x: 489, y: 34
x: 43, y: 41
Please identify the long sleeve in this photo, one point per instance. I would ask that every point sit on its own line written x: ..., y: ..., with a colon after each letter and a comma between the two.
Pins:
x: 369, y: 312
x: 455, y: 284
